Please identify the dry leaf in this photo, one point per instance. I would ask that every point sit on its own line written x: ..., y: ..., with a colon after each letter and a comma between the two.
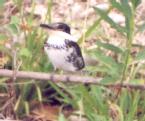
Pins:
x: 43, y: 112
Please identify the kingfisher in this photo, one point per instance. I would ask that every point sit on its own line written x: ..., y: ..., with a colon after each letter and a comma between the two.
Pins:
x: 62, y: 49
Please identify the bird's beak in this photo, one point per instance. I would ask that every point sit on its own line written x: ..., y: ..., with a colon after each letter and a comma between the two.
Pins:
x: 47, y: 26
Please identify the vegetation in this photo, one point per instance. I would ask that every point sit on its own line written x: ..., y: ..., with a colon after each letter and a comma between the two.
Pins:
x: 21, y: 48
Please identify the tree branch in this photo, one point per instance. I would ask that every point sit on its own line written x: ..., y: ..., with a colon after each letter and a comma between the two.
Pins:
x: 65, y: 78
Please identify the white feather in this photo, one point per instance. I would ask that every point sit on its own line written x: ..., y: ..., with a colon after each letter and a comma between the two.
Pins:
x: 58, y: 38
x: 58, y: 57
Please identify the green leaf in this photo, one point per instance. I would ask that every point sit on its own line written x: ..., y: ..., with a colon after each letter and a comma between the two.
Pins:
x: 123, y: 7
x: 126, y: 8
x: 109, y: 47
x: 88, y: 102
x: 106, y: 60
x: 141, y: 28
x: 96, y: 92
x: 94, y: 69
x: 140, y: 56
x: 13, y: 28
x: 3, y: 37
x: 49, y: 11
x: 25, y: 52
x: 128, y: 12
x: 134, y: 106
x: 26, y: 106
x: 107, y: 80
x: 2, y: 3
x: 137, y: 81
x: 14, y: 25
x: 135, y: 3
x: 117, y: 5
x: 60, y: 92
x: 114, y: 69
x: 105, y: 16
x: 125, y: 100
x: 15, y: 20
x: 61, y: 117
x: 26, y: 90
x: 90, y: 30
x: 39, y: 94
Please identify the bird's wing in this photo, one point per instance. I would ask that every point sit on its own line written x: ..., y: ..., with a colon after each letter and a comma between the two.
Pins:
x: 75, y: 56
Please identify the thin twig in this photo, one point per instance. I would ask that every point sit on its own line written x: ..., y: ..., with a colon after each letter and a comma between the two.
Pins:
x: 66, y: 78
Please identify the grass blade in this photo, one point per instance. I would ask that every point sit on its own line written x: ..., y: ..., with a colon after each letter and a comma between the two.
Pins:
x: 105, y: 16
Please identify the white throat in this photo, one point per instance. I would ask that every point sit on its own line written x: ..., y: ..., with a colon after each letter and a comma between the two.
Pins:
x: 58, y: 38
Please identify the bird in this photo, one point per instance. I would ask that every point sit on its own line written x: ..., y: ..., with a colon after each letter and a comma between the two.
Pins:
x: 62, y: 49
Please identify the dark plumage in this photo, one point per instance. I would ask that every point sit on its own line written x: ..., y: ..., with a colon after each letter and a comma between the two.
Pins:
x: 76, y: 56
x: 57, y: 26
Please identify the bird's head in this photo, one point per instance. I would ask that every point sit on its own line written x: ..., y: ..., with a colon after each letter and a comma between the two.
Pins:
x: 56, y: 27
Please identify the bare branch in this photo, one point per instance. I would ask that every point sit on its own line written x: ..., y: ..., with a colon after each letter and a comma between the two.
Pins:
x: 65, y: 78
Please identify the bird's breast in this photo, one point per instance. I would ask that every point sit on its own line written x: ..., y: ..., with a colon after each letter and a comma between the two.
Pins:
x: 64, y: 54
x: 59, y: 58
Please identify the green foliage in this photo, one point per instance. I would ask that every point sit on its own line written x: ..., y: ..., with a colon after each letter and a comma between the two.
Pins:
x: 61, y: 118
x: 24, y: 52
x: 141, y: 28
x: 1, y: 3
x: 13, y: 26
x: 135, y: 3
x: 105, y: 17
x: 3, y: 37
x: 112, y: 67
x: 140, y: 55
x: 110, y: 47
x: 120, y: 69
x: 90, y: 30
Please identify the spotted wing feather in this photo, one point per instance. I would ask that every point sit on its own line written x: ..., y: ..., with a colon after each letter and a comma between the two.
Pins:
x: 75, y: 56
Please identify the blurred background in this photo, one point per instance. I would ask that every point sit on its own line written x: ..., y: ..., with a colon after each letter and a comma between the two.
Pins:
x: 111, y: 35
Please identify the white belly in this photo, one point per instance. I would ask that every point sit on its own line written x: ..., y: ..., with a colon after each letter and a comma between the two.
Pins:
x: 58, y: 58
